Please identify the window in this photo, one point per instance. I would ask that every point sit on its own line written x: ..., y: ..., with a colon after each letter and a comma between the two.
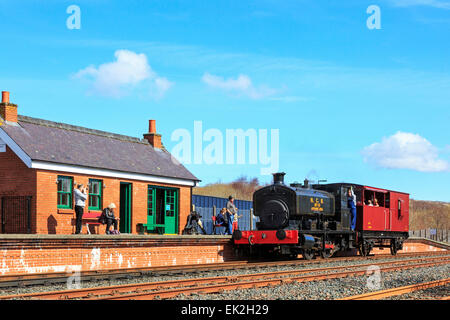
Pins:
x: 151, y: 195
x: 373, y: 198
x: 170, y: 202
x: 95, y: 194
x: 65, y: 187
x: 399, y: 208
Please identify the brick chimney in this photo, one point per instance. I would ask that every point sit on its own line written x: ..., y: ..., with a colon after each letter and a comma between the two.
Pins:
x: 8, y: 111
x: 152, y: 137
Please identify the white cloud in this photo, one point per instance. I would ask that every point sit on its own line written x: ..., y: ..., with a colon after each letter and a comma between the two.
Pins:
x: 162, y: 85
x: 127, y: 72
x: 431, y: 3
x: 291, y: 99
x: 242, y: 85
x: 405, y: 151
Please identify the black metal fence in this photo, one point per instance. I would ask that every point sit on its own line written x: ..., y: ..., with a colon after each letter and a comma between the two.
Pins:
x: 441, y: 235
x: 15, y: 214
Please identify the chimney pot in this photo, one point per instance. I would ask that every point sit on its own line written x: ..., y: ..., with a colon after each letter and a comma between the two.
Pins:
x: 152, y: 137
x: 5, y: 97
x: 152, y: 126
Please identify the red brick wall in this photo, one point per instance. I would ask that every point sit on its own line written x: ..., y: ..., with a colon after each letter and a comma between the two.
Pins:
x: 37, y: 254
x: 16, y: 179
x: 8, y: 112
x: 62, y: 221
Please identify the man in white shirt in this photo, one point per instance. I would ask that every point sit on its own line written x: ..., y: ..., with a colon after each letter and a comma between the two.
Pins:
x: 80, y: 199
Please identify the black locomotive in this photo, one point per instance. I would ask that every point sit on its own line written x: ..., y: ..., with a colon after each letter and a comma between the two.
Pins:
x: 315, y: 219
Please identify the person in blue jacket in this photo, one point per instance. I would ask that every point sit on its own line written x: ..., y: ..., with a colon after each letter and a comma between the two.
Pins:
x: 351, y: 201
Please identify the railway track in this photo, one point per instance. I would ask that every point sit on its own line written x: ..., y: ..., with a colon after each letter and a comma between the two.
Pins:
x: 172, y: 288
x: 399, y: 291
x: 20, y: 280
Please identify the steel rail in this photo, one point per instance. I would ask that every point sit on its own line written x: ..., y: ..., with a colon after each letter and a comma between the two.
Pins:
x: 398, y: 291
x: 251, y: 284
x: 15, y: 280
x: 114, y: 290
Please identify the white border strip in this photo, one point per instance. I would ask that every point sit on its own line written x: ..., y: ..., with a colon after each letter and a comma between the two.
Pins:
x: 109, y: 173
x: 14, y: 147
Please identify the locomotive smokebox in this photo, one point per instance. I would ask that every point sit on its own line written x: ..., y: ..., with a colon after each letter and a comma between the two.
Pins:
x: 278, y: 178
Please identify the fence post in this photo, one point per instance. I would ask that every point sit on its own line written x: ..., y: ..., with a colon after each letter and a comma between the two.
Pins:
x: 251, y: 219
x: 214, y: 211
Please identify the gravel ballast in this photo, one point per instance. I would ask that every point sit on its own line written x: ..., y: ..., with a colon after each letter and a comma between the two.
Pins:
x: 327, y: 289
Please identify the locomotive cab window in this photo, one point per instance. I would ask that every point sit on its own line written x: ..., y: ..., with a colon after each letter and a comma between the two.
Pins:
x: 378, y: 199
x: 387, y: 200
x: 374, y: 199
x: 399, y: 208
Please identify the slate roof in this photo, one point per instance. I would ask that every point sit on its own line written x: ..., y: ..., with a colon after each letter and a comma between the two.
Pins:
x: 66, y: 144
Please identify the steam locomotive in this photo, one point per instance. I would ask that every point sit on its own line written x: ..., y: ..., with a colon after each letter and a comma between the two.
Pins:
x: 315, y: 220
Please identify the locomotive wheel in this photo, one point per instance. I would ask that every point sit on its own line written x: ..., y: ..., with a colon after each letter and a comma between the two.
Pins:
x: 364, y: 249
x: 326, y: 253
x: 393, y: 247
x: 308, y: 254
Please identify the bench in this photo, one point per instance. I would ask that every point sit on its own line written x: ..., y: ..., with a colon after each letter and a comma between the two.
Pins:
x: 90, y: 218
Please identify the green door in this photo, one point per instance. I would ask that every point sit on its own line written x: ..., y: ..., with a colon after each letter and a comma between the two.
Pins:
x: 125, y: 207
x: 171, y: 211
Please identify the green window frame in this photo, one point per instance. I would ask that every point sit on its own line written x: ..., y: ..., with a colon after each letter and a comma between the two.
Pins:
x: 65, y: 189
x: 170, y: 202
x: 95, y: 194
x: 151, y: 195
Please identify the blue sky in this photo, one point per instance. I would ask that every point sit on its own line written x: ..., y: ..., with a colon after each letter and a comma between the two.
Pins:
x: 368, y: 106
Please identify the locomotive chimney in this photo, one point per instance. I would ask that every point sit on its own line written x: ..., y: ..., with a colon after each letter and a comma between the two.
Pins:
x: 306, y: 184
x: 278, y: 178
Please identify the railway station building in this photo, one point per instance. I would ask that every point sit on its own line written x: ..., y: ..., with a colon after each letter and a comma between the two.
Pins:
x: 42, y: 161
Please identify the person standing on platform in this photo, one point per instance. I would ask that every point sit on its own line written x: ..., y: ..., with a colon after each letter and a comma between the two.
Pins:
x: 231, y: 211
x: 80, y: 200
x: 235, y: 221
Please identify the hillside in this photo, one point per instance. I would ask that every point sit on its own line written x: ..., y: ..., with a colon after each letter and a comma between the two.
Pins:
x: 242, y: 188
x: 423, y: 214
x: 429, y: 214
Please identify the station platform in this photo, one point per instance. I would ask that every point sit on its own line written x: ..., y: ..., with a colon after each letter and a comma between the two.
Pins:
x: 68, y: 253
x: 25, y: 254
x: 416, y: 244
